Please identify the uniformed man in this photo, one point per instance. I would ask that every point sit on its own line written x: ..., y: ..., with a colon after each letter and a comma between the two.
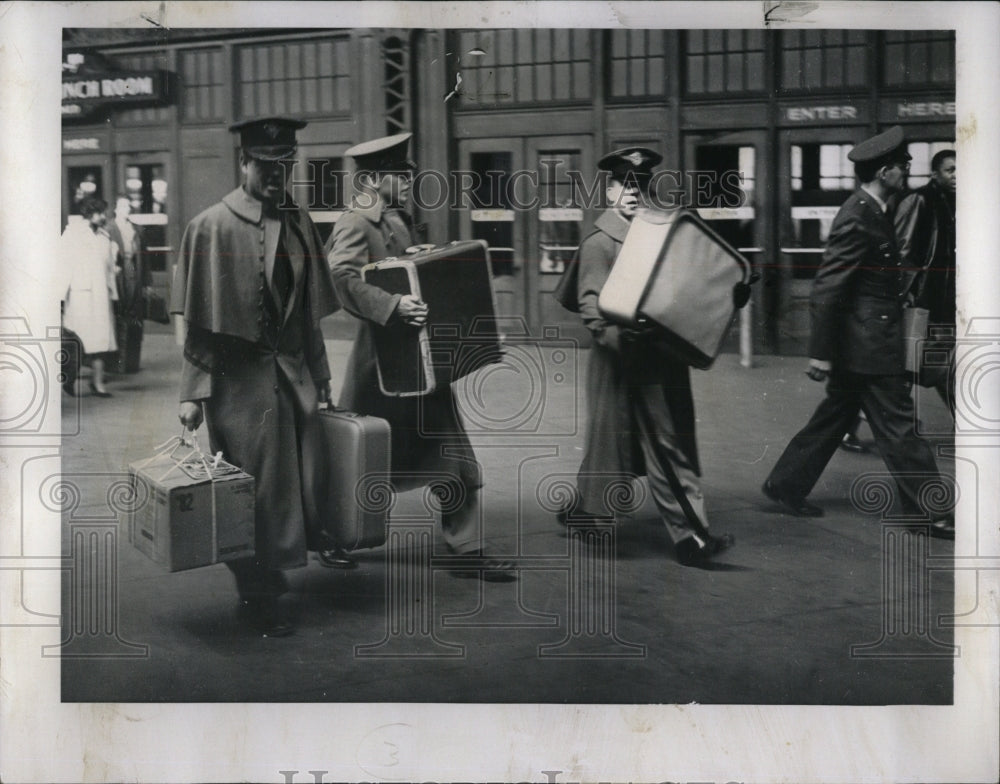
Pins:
x: 427, y: 434
x: 857, y: 344
x: 639, y: 404
x: 252, y: 286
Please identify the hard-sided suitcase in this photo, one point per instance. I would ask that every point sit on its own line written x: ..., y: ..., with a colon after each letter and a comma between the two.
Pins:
x: 674, y: 271
x: 461, y: 334
x: 359, y: 459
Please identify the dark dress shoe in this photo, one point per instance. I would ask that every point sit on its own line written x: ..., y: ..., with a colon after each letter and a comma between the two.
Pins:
x: 851, y: 443
x: 487, y: 569
x: 336, y: 558
x: 690, y: 553
x: 265, y: 615
x: 796, y: 506
x: 943, y: 529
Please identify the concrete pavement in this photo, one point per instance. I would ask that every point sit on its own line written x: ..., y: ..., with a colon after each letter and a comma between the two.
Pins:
x: 774, y: 621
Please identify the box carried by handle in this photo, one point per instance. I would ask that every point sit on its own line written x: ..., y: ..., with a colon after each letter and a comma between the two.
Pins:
x: 675, y: 272
x: 461, y: 333
x: 190, y: 509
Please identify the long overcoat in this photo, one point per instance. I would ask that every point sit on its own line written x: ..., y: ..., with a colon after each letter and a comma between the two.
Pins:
x: 256, y: 366
x: 616, y: 366
x: 856, y: 302
x: 88, y: 286
x: 427, y: 433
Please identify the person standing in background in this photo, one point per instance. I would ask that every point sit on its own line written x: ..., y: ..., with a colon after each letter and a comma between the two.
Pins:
x: 135, y: 281
x: 925, y: 231
x: 88, y: 288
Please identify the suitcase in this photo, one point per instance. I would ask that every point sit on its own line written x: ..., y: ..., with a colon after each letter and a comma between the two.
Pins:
x: 359, y: 450
x: 675, y: 272
x: 461, y: 334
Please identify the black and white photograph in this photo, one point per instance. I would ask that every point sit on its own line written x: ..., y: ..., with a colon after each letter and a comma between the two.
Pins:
x: 546, y: 392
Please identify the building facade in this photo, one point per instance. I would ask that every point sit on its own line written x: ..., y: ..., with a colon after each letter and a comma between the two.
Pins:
x: 508, y: 125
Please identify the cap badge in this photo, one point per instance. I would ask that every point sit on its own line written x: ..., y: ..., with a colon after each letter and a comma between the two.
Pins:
x: 636, y: 158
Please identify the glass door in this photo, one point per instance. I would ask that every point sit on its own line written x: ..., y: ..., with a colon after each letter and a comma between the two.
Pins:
x: 725, y: 182
x: 814, y: 179
x: 490, y: 194
x: 566, y: 208
x: 144, y: 180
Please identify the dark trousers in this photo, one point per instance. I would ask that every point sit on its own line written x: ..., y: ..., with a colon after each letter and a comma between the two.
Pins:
x: 255, y: 581
x: 887, y: 403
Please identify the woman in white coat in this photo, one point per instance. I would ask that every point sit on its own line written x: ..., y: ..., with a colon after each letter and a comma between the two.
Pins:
x: 87, y: 256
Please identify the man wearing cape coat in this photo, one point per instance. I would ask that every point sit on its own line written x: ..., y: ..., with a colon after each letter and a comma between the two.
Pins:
x: 429, y: 441
x: 252, y: 286
x: 640, y: 409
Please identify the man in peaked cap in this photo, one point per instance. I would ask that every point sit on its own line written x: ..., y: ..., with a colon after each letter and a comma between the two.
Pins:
x: 252, y: 285
x: 856, y: 345
x: 371, y: 230
x: 640, y: 409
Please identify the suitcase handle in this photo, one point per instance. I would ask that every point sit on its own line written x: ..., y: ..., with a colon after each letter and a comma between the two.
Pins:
x: 338, y: 410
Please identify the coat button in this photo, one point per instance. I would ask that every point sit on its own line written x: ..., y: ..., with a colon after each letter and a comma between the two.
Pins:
x: 275, y: 387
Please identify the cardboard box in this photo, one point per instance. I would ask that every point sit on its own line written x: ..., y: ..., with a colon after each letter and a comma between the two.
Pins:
x: 183, y: 518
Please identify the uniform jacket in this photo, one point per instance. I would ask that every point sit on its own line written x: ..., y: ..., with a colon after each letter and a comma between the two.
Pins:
x: 256, y: 365
x: 925, y: 231
x: 364, y: 235
x: 856, y: 303
x: 87, y: 285
x: 617, y: 363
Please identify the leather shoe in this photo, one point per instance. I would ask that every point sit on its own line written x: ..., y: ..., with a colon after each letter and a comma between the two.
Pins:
x: 487, y: 569
x: 943, y: 529
x: 336, y: 558
x: 851, y: 443
x: 265, y: 615
x: 690, y: 553
x: 796, y: 506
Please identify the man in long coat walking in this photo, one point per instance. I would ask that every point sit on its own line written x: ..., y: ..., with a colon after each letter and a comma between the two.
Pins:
x: 428, y: 438
x: 252, y: 286
x: 639, y: 404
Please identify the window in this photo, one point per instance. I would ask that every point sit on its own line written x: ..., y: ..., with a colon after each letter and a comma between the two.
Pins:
x: 919, y: 58
x: 147, y: 115
x: 492, y: 216
x: 822, y: 180
x: 202, y: 73
x: 638, y: 64
x: 823, y: 59
x: 297, y: 78
x: 503, y: 67
x: 560, y: 214
x: 724, y: 61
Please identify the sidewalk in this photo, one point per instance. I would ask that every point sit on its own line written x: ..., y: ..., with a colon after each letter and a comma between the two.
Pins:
x: 773, y: 622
